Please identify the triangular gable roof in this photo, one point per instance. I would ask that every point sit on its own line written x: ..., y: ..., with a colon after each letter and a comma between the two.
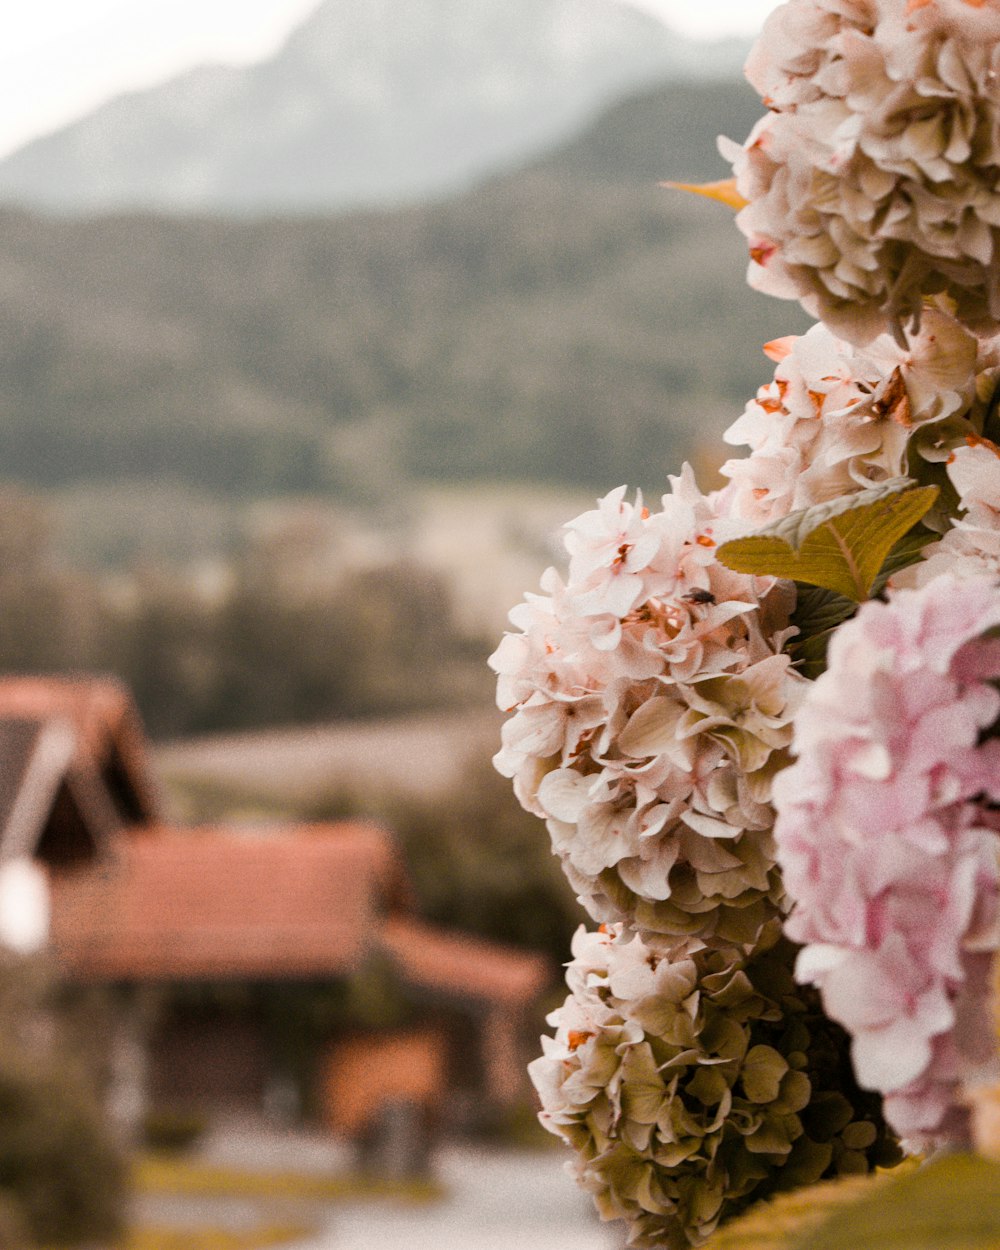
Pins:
x: 54, y: 807
x: 34, y: 758
x: 218, y: 904
x: 109, y: 741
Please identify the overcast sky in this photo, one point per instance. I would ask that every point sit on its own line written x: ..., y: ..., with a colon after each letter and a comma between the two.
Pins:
x: 60, y: 58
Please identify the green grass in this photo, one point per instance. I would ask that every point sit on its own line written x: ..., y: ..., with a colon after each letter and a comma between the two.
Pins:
x: 160, y: 1174
x: 272, y: 1191
x: 216, y: 1238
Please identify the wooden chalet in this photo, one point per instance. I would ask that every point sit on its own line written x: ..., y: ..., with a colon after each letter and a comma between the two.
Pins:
x: 162, y: 915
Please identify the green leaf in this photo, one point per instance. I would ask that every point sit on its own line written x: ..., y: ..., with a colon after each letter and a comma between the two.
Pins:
x: 906, y: 552
x: 780, y: 1222
x: 950, y: 1204
x: 817, y: 615
x: 840, y: 545
x: 819, y: 612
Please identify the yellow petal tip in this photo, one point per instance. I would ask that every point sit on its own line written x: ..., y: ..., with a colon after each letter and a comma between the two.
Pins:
x: 724, y: 191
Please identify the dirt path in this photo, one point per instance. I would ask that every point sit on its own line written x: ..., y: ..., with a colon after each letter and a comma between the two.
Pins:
x: 497, y: 1200
x: 494, y: 1199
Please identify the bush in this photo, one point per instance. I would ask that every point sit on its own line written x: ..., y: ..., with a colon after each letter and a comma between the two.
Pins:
x: 13, y: 1226
x: 56, y: 1158
x: 62, y: 1179
x: 172, y: 1132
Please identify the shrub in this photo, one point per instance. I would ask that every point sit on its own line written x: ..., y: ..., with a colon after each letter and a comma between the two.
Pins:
x: 172, y: 1131
x: 57, y: 1160
x: 62, y: 1178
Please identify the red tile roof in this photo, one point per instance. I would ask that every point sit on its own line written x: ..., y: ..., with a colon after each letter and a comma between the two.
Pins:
x: 221, y: 904
x: 297, y: 902
x: 458, y: 965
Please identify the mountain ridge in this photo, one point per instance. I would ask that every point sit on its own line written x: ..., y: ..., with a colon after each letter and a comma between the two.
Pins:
x: 386, y: 103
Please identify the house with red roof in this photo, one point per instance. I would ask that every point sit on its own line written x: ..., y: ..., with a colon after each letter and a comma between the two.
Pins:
x: 211, y: 941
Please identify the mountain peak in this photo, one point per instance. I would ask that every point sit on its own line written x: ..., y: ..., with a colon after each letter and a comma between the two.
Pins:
x: 385, y: 102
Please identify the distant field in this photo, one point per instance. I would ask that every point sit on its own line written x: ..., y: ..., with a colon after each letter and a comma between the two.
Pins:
x: 493, y: 541
x: 294, y: 770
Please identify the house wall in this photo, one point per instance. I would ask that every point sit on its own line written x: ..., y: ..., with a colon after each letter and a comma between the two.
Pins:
x: 212, y: 1057
x: 363, y: 1075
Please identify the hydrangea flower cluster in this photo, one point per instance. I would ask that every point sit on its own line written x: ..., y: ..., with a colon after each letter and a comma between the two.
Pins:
x: 872, y: 182
x: 691, y: 1086
x: 837, y: 419
x: 656, y: 712
x: 889, y: 841
x: 652, y: 707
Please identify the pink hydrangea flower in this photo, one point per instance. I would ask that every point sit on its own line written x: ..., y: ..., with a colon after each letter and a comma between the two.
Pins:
x: 889, y: 844
x: 651, y: 707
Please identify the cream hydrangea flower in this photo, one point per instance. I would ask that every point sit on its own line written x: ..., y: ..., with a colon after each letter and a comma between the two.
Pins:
x: 888, y: 841
x: 652, y: 707
x: 837, y: 419
x: 872, y: 182
x: 692, y: 1086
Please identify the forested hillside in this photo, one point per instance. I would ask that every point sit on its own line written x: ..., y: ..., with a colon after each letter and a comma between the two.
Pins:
x: 573, y: 323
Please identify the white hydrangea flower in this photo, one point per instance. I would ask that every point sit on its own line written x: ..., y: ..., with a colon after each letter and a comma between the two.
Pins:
x: 872, y: 182
x: 837, y: 419
x: 652, y: 706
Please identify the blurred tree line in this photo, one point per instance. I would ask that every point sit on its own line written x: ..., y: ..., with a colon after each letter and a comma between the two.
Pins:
x: 271, y: 642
